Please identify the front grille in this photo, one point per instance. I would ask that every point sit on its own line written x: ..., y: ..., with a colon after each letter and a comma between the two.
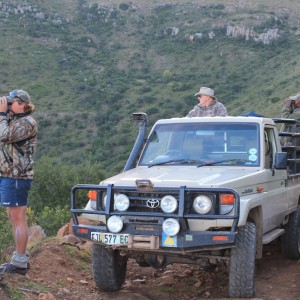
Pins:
x: 146, y: 202
x: 140, y: 208
x: 149, y: 202
x: 146, y: 221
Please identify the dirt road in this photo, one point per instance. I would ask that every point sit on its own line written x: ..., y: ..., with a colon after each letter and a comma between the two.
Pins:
x: 64, y: 271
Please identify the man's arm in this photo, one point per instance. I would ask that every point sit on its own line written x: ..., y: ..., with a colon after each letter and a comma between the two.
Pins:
x: 287, y: 108
x: 221, y: 110
x: 193, y: 113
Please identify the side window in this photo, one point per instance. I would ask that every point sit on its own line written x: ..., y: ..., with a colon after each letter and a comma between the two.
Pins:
x: 269, y: 146
x: 156, y: 146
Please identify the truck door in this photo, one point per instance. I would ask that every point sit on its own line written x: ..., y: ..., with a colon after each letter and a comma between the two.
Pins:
x: 275, y: 202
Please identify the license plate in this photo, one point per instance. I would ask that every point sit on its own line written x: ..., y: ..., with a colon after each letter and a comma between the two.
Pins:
x: 110, y: 238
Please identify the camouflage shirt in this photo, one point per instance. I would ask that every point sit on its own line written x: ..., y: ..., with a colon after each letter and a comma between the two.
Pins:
x: 214, y: 109
x: 290, y: 114
x: 18, y: 137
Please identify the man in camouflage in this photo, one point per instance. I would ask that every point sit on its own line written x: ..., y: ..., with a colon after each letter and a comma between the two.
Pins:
x: 291, y: 110
x: 18, y: 137
x: 208, y: 105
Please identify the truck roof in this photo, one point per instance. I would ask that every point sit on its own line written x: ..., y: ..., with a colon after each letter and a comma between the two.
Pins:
x: 230, y: 119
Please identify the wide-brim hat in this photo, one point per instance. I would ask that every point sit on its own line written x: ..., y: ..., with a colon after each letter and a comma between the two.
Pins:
x: 296, y: 97
x: 207, y: 92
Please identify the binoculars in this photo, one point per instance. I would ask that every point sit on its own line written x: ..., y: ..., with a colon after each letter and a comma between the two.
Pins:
x: 9, y: 99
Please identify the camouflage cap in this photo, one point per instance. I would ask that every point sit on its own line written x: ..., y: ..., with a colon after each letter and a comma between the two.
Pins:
x: 20, y: 94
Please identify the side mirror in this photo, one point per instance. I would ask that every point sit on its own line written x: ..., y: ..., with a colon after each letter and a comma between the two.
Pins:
x: 280, y: 160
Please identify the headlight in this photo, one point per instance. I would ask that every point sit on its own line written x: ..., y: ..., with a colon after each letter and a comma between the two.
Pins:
x: 104, y: 198
x: 168, y: 204
x: 114, y: 224
x: 121, y: 202
x: 202, y: 204
x: 171, y: 227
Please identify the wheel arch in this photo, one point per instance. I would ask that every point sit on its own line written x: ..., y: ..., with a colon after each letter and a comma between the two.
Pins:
x: 255, y: 216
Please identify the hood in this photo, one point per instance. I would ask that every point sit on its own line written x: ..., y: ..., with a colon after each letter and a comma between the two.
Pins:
x: 204, y: 177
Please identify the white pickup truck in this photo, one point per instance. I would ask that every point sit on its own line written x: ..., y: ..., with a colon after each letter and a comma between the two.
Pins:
x: 196, y: 190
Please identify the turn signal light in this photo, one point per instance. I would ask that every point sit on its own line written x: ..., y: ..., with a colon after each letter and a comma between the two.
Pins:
x: 92, y: 195
x: 227, y: 199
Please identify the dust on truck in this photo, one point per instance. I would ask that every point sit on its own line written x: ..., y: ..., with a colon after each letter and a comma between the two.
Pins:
x: 195, y: 191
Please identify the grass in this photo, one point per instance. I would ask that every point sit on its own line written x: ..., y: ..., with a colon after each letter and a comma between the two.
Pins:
x: 36, y: 287
x: 80, y: 258
x: 13, y: 292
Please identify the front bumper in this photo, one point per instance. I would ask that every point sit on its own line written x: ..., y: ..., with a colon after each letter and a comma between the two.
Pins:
x: 143, y: 229
x: 187, y: 241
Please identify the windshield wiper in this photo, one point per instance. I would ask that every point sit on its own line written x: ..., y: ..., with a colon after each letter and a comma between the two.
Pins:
x: 222, y: 161
x: 178, y: 160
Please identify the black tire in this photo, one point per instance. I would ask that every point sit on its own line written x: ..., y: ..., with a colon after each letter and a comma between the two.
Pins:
x: 242, y: 263
x: 109, y: 268
x: 290, y: 240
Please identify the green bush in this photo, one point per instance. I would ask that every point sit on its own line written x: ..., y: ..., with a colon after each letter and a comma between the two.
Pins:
x: 124, y: 6
x: 54, y: 179
x: 152, y: 111
x: 6, y: 237
x: 50, y: 192
x: 53, y: 218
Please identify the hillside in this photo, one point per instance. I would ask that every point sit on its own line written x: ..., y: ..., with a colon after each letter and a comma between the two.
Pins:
x: 89, y: 64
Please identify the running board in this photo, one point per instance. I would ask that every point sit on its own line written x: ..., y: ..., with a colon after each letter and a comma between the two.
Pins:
x: 272, y: 235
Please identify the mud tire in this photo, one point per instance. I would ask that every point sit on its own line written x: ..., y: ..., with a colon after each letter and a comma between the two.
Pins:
x: 109, y: 268
x: 290, y: 240
x: 242, y: 263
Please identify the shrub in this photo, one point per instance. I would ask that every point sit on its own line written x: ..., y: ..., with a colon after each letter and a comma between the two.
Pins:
x: 54, y: 179
x: 30, y: 216
x: 152, y: 111
x: 6, y: 234
x: 53, y: 218
x: 124, y: 6
x: 6, y: 237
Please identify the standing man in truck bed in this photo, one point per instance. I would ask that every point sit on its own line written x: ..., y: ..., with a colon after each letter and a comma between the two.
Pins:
x: 291, y: 110
x: 208, y: 105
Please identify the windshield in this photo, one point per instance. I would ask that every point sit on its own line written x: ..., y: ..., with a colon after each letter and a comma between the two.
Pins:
x: 203, y: 144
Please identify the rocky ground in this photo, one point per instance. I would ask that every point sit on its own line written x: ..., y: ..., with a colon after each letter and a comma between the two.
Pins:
x: 62, y: 270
